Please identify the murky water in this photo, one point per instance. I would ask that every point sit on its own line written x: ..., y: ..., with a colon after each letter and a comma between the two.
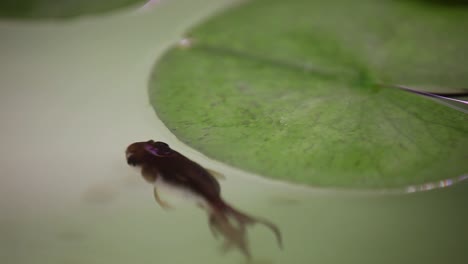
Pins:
x: 73, y: 96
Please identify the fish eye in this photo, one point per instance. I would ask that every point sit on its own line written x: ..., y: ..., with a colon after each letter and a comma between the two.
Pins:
x: 161, y: 145
x: 159, y: 149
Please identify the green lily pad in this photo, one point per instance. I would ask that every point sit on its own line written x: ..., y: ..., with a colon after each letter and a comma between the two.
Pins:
x: 33, y: 9
x: 297, y: 91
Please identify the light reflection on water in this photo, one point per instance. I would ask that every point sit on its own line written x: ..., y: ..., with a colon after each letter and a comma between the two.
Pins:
x: 435, y: 185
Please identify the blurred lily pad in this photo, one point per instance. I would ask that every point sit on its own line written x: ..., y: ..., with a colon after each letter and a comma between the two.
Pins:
x: 35, y: 9
x: 295, y: 90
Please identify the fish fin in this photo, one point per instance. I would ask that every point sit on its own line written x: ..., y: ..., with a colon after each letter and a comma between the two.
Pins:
x: 216, y: 174
x: 244, y: 220
x: 234, y: 236
x: 161, y: 202
x: 214, y: 231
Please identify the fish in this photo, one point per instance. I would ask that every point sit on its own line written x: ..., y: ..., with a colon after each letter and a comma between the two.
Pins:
x: 160, y: 165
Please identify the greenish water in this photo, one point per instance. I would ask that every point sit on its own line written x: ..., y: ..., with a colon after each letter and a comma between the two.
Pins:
x: 323, y: 227
x: 73, y: 96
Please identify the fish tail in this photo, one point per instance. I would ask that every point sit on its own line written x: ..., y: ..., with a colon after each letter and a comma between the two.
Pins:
x: 220, y: 218
x: 245, y: 219
x: 234, y: 235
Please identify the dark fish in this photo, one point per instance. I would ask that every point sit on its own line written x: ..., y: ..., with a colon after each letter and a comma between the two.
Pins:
x: 159, y: 164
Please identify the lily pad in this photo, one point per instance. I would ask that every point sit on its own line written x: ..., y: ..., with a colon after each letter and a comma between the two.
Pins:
x: 34, y: 9
x: 298, y: 91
